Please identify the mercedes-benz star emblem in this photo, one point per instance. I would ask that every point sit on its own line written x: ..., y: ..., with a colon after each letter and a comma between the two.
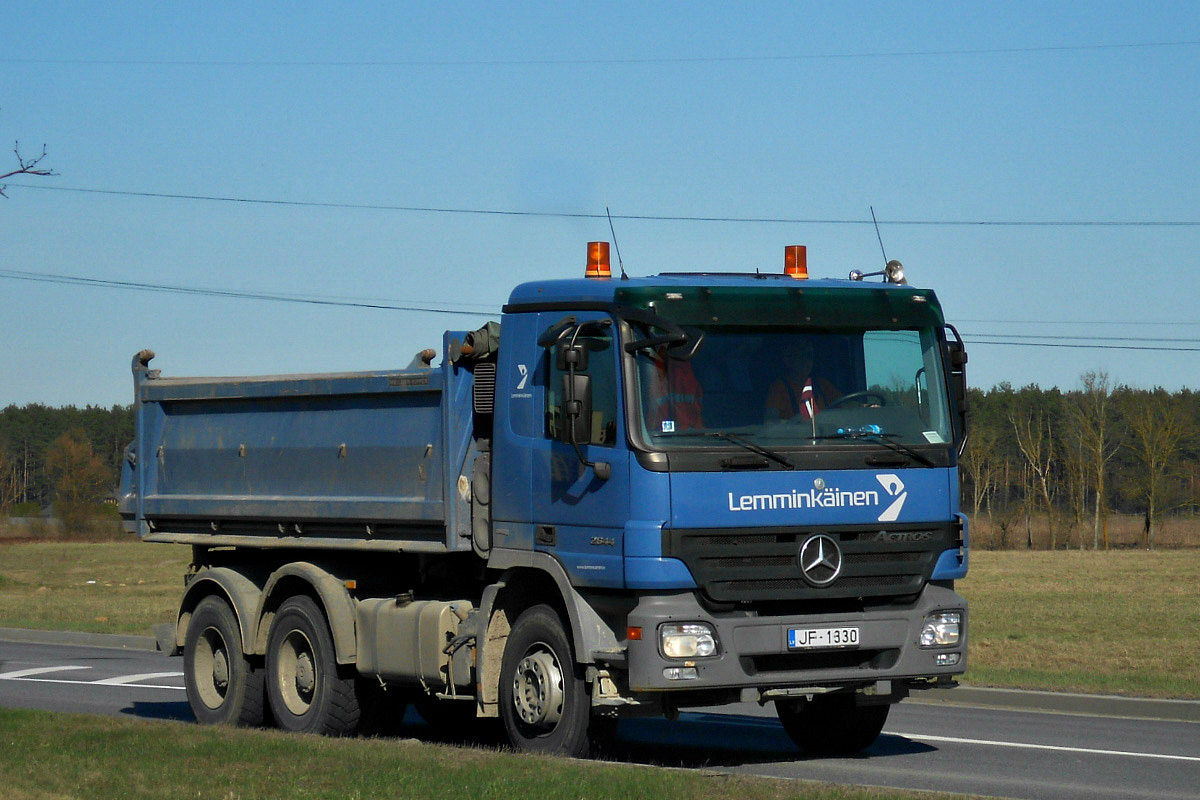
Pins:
x: 820, y: 560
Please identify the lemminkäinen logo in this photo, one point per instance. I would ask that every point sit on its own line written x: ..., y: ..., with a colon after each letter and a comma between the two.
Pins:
x: 823, y: 496
x: 519, y: 393
x: 894, y: 487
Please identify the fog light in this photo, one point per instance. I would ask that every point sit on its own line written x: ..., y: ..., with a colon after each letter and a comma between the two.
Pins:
x: 681, y: 673
x: 690, y: 640
x: 941, y: 629
x: 948, y: 659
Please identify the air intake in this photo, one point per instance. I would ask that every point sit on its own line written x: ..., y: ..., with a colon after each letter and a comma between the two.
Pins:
x: 484, y: 398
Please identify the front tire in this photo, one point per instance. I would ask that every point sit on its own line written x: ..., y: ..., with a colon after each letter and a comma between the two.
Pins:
x: 303, y: 685
x: 223, y: 687
x: 831, y: 724
x: 544, y: 702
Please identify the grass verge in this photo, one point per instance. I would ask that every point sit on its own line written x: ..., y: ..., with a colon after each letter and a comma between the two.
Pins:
x: 61, y: 756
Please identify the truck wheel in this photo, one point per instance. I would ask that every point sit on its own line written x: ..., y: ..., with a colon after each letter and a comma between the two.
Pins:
x: 831, y: 724
x: 223, y: 688
x: 303, y: 685
x: 543, y: 700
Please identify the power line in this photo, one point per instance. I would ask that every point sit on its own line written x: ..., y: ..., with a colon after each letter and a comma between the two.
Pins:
x: 1106, y: 323
x: 1156, y: 349
x: 993, y: 339
x: 631, y: 217
x: 73, y: 280
x: 1039, y: 337
x: 567, y: 62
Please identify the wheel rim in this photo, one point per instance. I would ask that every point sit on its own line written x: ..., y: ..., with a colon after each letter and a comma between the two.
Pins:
x: 538, y: 693
x: 297, y: 672
x: 211, y: 667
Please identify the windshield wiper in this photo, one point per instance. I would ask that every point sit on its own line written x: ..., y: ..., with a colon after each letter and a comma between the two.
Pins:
x: 737, y: 439
x: 752, y: 447
x: 888, y: 440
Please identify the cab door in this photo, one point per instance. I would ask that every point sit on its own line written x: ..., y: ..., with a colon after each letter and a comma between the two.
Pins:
x: 579, y: 515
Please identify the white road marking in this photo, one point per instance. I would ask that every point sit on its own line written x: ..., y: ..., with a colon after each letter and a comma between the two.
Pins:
x: 33, y: 676
x: 1057, y: 748
x: 755, y: 722
x: 127, y: 679
x: 102, y: 683
x: 19, y: 674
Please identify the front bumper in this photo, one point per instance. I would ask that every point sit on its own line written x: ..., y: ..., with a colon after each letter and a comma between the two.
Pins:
x: 754, y: 649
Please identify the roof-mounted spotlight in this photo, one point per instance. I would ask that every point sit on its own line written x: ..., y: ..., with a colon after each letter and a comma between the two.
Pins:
x: 892, y: 273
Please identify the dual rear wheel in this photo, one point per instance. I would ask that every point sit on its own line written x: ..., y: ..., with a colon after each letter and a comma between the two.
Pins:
x: 306, y: 689
x: 300, y: 686
x: 224, y: 687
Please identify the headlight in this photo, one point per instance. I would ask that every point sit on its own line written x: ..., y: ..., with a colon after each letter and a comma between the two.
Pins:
x: 941, y: 629
x: 689, y: 640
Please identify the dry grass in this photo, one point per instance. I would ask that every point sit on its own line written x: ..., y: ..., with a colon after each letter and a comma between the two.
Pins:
x: 1114, y: 623
x: 114, y: 587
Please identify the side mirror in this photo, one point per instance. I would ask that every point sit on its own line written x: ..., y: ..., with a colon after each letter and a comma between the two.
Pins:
x: 576, y: 409
x: 571, y: 359
x: 956, y: 359
x: 567, y: 355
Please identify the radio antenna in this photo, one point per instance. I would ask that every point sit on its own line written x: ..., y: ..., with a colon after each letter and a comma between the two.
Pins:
x: 877, y: 235
x: 613, y: 230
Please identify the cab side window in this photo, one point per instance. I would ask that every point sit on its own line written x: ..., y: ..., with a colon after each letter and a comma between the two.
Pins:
x: 601, y: 368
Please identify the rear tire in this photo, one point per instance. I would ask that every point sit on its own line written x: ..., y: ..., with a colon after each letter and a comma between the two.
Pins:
x: 544, y: 701
x: 223, y: 687
x: 303, y: 685
x: 831, y: 724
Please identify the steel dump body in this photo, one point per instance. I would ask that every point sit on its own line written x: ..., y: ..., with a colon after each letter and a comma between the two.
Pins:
x: 364, y: 460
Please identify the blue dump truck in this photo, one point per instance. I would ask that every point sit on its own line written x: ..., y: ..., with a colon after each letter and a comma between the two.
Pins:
x: 626, y: 497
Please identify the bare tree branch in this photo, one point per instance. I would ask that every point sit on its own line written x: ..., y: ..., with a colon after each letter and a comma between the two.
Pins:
x: 26, y: 167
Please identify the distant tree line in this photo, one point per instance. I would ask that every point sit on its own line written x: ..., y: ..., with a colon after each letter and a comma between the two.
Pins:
x: 1058, y: 461
x: 1065, y: 460
x: 67, y: 456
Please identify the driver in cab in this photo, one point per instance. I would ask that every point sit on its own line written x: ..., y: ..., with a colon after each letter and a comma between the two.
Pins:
x: 798, y: 394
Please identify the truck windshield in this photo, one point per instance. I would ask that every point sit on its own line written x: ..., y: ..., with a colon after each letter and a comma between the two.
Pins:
x: 780, y: 387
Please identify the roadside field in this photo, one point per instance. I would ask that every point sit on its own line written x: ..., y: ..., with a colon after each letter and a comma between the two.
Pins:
x: 1124, y: 622
x: 111, y: 587
x: 47, y: 755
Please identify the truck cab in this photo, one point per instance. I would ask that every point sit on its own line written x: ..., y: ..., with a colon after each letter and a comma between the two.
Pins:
x: 757, y: 548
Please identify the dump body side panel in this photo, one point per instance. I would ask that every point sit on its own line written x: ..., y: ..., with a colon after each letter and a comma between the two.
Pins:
x: 347, y: 460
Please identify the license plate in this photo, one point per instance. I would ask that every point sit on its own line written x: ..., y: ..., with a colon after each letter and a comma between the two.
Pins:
x: 812, y: 638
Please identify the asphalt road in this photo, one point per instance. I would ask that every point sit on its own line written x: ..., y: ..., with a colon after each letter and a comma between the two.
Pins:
x: 987, y: 751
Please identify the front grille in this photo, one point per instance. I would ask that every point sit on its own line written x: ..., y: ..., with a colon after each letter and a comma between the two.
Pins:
x: 763, y: 565
x: 781, y: 588
x: 767, y: 561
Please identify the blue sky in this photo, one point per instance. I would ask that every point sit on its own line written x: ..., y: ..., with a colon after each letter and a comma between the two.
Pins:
x: 969, y: 112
